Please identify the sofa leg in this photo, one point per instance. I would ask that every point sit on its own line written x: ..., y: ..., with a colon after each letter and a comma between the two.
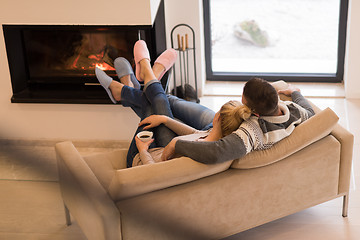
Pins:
x: 345, y: 205
x: 67, y: 216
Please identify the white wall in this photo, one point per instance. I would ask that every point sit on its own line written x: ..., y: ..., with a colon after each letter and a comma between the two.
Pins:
x: 189, y: 12
x: 352, y: 65
x: 110, y: 12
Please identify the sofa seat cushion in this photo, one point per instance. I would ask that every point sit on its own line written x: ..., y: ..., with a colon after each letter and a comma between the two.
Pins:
x: 151, y: 177
x: 313, y: 129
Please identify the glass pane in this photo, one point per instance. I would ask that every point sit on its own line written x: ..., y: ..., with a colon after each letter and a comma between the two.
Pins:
x: 274, y: 36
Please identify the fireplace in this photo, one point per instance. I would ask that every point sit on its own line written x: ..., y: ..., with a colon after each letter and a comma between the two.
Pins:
x: 55, y: 64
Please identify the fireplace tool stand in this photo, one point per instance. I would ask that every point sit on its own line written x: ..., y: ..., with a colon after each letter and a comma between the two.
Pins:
x: 185, y: 90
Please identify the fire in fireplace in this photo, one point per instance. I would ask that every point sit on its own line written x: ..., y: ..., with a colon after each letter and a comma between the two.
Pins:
x: 74, y: 53
x: 95, y: 50
x: 56, y: 63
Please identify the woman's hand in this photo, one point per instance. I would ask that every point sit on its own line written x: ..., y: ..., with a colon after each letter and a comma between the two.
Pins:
x: 153, y: 121
x: 142, y: 146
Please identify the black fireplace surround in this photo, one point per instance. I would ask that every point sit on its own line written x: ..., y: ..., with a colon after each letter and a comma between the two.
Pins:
x: 56, y: 64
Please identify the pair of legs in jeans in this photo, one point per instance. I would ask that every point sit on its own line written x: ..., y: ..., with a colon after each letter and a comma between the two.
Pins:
x: 152, y: 100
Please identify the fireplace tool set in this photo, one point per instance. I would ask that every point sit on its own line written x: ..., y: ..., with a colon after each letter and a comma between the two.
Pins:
x: 185, y: 90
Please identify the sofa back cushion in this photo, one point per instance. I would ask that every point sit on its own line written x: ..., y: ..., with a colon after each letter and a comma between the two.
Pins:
x: 142, y: 179
x: 313, y: 129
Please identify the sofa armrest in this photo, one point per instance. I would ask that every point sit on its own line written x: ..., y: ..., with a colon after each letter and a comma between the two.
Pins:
x: 84, y: 196
x: 342, y: 135
x: 347, y: 146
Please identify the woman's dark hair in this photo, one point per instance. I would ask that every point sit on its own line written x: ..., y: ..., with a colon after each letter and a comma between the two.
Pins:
x: 261, y: 97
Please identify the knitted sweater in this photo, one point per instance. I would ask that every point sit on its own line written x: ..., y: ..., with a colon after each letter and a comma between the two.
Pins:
x: 257, y: 133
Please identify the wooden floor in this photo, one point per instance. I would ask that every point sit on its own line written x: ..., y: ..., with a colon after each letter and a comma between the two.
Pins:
x: 31, y: 205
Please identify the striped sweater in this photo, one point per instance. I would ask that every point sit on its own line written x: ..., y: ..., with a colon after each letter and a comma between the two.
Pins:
x: 257, y: 133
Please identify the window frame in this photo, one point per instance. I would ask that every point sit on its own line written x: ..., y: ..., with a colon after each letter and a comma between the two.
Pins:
x: 290, y: 77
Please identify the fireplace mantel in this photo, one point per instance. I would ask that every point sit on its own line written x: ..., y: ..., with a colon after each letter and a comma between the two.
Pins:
x: 80, y: 12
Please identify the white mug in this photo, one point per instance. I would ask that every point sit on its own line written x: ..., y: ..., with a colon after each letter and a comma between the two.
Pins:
x: 145, y: 136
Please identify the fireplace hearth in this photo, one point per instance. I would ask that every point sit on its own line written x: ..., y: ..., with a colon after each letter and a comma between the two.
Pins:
x: 56, y: 63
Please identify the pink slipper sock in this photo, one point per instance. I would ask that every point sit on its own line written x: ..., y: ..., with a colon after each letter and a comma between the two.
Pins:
x: 140, y: 52
x: 167, y: 59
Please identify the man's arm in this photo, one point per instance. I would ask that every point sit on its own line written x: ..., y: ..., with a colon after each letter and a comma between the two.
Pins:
x: 227, y: 148
x: 298, y: 98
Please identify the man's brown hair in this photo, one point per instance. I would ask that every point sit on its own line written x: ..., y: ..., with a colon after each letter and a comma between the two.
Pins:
x: 261, y: 97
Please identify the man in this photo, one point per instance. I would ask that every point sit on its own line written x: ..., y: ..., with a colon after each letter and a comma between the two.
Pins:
x: 272, y: 120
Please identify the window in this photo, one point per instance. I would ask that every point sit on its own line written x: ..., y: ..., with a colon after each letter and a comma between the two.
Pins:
x: 294, y: 40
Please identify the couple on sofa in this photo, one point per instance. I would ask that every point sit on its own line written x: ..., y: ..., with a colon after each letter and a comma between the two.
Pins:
x: 202, y: 134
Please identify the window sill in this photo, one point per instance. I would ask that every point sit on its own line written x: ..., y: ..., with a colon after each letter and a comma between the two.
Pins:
x: 309, y: 90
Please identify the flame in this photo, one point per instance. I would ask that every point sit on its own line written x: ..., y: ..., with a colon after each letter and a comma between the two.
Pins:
x: 98, y: 56
x: 91, y: 62
x: 104, y: 66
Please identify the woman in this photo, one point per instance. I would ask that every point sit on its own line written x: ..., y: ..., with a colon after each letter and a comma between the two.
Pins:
x: 227, y: 120
x: 153, y: 102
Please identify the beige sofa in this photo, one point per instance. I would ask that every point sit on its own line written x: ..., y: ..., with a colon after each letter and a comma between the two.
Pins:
x: 183, y: 199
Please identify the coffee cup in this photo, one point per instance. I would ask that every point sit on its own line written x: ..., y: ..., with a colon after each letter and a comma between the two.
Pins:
x: 145, y: 136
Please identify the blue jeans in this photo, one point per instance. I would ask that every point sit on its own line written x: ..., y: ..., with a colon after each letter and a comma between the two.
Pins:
x: 191, y: 113
x: 154, y: 101
x: 145, y: 103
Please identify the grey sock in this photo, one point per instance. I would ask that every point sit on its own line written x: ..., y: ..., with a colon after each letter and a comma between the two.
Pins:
x: 105, y: 82
x: 123, y: 68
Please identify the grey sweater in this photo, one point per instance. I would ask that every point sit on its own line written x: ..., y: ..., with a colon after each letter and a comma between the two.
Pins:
x: 257, y: 133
